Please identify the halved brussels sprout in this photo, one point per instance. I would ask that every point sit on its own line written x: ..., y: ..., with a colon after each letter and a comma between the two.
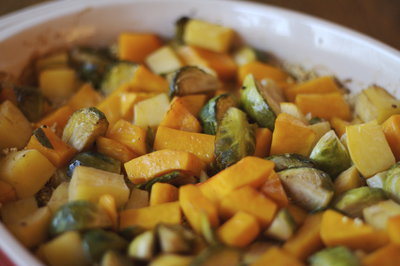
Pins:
x: 259, y: 103
x: 176, y: 178
x: 31, y: 102
x: 308, y: 187
x: 143, y: 246
x: 217, y: 255
x: 174, y: 238
x: 95, y: 160
x: 78, y: 215
x: 378, y: 180
x: 289, y: 160
x: 247, y: 54
x: 97, y: 242
x: 378, y: 214
x: 235, y: 138
x: 392, y: 182
x: 330, y: 155
x: 83, y: 127
x: 191, y: 80
x: 90, y: 63
x: 283, y: 226
x: 211, y: 114
x: 353, y: 201
x: 335, y: 256
x: 180, y: 25
x: 117, y: 74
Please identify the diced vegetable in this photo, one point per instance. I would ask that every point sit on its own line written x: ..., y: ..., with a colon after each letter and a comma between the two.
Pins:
x: 97, y: 242
x: 86, y: 96
x: 213, y: 37
x: 387, y: 255
x: 31, y: 102
x: 138, y: 199
x: 90, y: 184
x: 137, y: 46
x: 191, y: 80
x: 201, y: 145
x: 320, y: 129
x: 263, y: 142
x: 83, y: 127
x: 7, y: 192
x: 57, y: 119
x: 78, y: 215
x: 292, y: 109
x: 95, y: 160
x: 298, y: 214
x: 353, y: 201
x: 250, y: 171
x: 164, y: 60
x: 54, y: 60
x: 282, y: 227
x: 114, y: 258
x: 143, y: 246
x: 376, y: 103
x: 255, y: 250
x: 117, y: 75
x: 369, y: 149
x: 337, y: 229
x: 378, y: 180
x: 290, y: 160
x: 114, y: 149
x: 347, y: 180
x: 162, y: 193
x: 337, y: 256
x: 259, y: 103
x: 339, y: 125
x: 13, y: 170
x: 157, y: 163
x: 247, y: 54
x: 13, y: 212
x: 149, y: 217
x: 194, y: 103
x: 274, y: 190
x: 391, y: 129
x: 176, y: 178
x: 175, y: 238
x: 194, y: 204
x: 13, y: 120
x: 308, y: 187
x: 393, y: 229
x: 392, y: 182
x: 379, y: 213
x: 261, y: 71
x: 217, y: 255
x: 291, y: 136
x: 150, y: 112
x: 235, y: 138
x: 249, y: 200
x: 57, y: 84
x: 277, y: 256
x: 171, y: 260
x: 212, y: 113
x: 59, y: 197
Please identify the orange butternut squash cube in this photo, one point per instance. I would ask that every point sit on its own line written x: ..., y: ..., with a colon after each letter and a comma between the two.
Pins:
x: 261, y: 71
x: 249, y: 171
x: 194, y: 204
x: 324, y: 105
x: 137, y: 46
x: 291, y: 135
x: 108, y: 203
x: 273, y: 189
x: 391, y: 129
x: 7, y: 192
x: 50, y: 145
x: 222, y: 63
x: 299, y: 215
x: 277, y: 257
x: 146, y: 81
x: 339, y: 125
x: 132, y: 136
x: 337, y: 229
x: 57, y: 119
x: 263, y: 142
x: 162, y: 193
x: 179, y: 117
x: 251, y: 201
x: 388, y: 255
x: 194, y: 102
x: 110, y: 106
x: 239, y: 231
x: 86, y: 96
x: 129, y: 99
x: 324, y: 84
x: 149, y: 217
x: 393, y: 229
x: 201, y: 145
x: 114, y: 149
x: 307, y: 238
x: 157, y: 163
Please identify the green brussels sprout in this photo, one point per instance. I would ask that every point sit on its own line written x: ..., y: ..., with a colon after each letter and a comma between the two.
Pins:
x: 143, y: 246
x: 130, y: 232
x: 330, y: 155
x: 258, y: 102
x: 289, y: 160
x: 308, y: 187
x: 378, y: 214
x: 235, y: 138
x: 211, y: 114
x: 31, y: 102
x: 336, y: 256
x: 282, y: 227
x: 353, y: 201
x: 392, y: 182
x: 78, y: 215
x: 378, y: 180
x: 174, y: 238
x: 95, y: 160
x: 97, y: 242
x: 83, y: 127
x: 217, y: 255
x: 191, y: 80
x: 180, y: 25
x: 175, y: 177
x: 117, y: 74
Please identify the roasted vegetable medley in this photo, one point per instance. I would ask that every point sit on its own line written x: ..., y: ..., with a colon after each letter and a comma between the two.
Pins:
x: 198, y: 150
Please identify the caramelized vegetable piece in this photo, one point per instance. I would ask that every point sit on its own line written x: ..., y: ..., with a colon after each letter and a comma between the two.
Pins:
x: 194, y: 103
x: 337, y: 229
x: 143, y: 246
x: 13, y: 120
x: 263, y: 142
x: 347, y: 180
x: 149, y: 217
x: 391, y: 129
x: 217, y: 255
x: 162, y: 193
x: 114, y: 149
x: 95, y: 160
x: 164, y: 60
x: 176, y: 178
x: 290, y: 160
x: 7, y: 192
x: 13, y: 170
x: 337, y: 256
x: 393, y: 229
x: 171, y: 260
x: 51, y: 146
x: 31, y: 102
x: 387, y: 255
x: 274, y: 190
x: 339, y: 125
x: 250, y: 171
x: 261, y: 71
x: 137, y: 46
x: 58, y: 84
x: 86, y: 96
x: 380, y: 213
x: 83, y: 127
x: 277, y: 256
x: 201, y: 145
x: 291, y: 136
x: 282, y: 227
x: 175, y: 238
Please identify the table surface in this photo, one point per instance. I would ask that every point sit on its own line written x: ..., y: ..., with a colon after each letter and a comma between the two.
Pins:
x: 379, y: 19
